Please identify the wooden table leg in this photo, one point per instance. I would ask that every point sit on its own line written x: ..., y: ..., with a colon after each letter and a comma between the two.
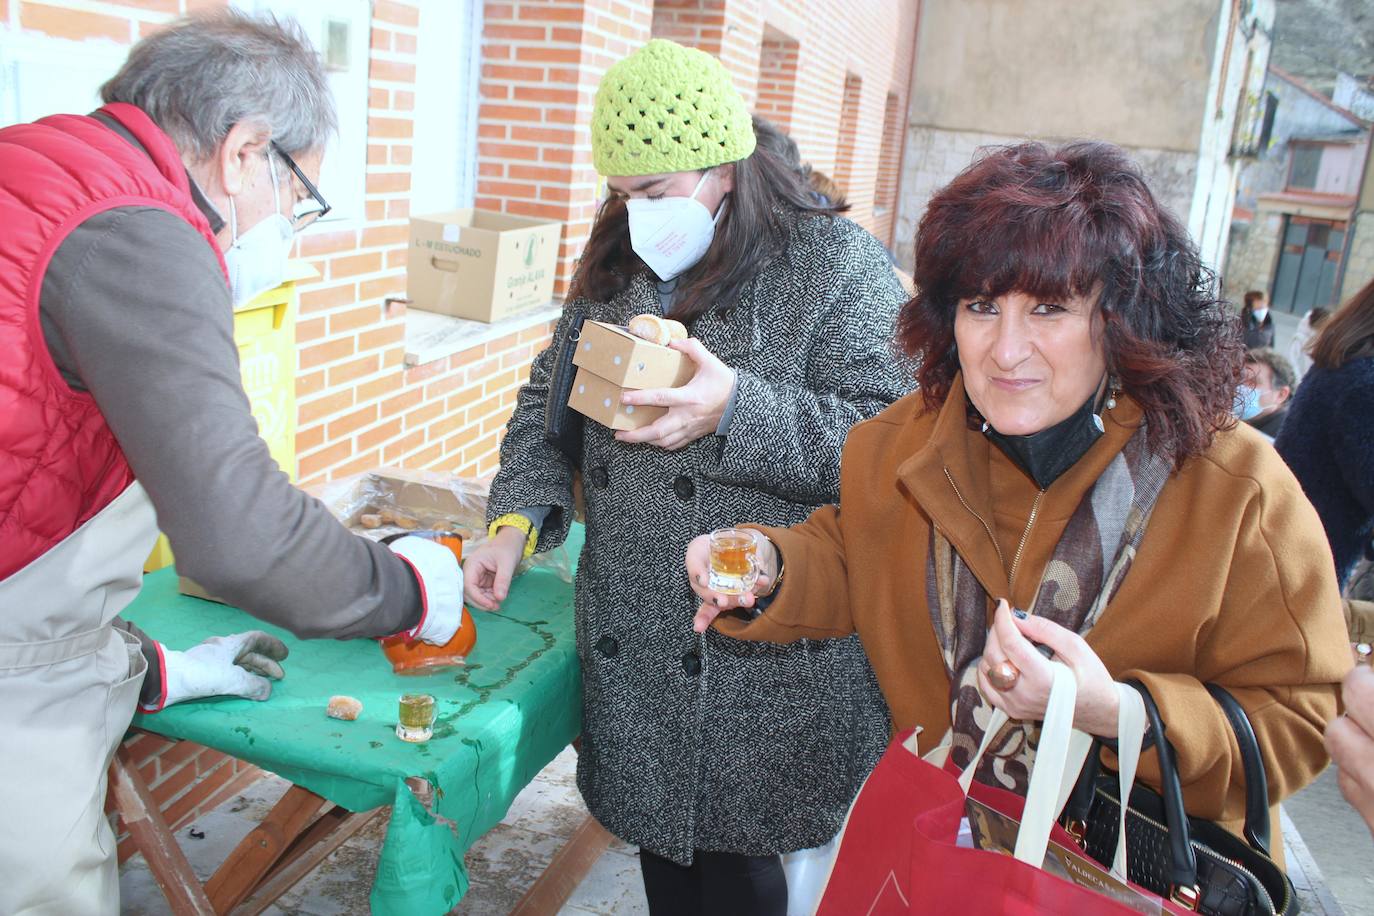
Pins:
x: 245, y: 867
x: 310, y: 849
x: 143, y: 819
x: 566, y: 871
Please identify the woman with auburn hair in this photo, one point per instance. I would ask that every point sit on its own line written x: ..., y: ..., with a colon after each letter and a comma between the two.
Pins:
x: 1330, y: 442
x: 1070, y: 452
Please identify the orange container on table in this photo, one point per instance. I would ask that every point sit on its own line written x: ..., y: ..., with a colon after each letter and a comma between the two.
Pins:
x: 411, y: 657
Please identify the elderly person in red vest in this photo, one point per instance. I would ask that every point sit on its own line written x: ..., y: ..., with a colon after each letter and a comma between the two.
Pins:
x: 126, y: 238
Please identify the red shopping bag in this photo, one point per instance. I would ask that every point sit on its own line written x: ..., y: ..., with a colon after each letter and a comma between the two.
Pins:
x: 899, y: 850
x: 898, y: 853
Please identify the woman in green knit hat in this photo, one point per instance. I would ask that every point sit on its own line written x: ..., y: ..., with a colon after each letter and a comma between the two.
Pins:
x: 790, y: 308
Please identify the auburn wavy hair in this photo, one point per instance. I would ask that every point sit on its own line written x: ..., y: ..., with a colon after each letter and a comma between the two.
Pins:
x: 1080, y: 221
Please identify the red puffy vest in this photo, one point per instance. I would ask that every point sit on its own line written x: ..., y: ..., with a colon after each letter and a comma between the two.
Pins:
x: 59, y: 461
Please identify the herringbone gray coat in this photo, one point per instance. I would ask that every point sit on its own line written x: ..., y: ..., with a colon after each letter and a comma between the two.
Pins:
x: 702, y: 742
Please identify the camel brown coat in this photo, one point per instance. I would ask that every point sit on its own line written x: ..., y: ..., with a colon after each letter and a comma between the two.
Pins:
x: 1233, y: 584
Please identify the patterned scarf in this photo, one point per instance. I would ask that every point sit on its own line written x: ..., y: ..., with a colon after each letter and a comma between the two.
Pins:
x: 1089, y: 563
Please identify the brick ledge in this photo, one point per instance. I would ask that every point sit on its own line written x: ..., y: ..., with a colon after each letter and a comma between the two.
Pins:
x: 431, y: 336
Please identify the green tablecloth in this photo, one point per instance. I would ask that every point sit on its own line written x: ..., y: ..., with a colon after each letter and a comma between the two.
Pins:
x: 500, y: 720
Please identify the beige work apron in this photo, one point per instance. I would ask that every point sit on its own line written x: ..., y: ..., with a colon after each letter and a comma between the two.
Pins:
x: 69, y: 683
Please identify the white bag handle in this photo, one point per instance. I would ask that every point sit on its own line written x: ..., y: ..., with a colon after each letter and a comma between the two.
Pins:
x: 1059, y: 759
x: 1130, y: 736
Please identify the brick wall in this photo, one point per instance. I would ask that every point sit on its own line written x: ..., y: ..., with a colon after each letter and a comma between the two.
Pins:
x: 185, y: 779
x: 794, y: 59
x: 777, y: 77
x: 541, y: 63
x: 889, y: 168
x: 843, y: 173
x: 358, y: 405
x: 543, y: 59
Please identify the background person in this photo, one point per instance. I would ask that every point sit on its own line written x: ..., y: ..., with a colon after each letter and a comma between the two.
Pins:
x: 1266, y: 386
x: 1303, y: 336
x: 1070, y: 451
x: 1256, y: 324
x: 1328, y: 437
x: 124, y: 413
x: 712, y: 755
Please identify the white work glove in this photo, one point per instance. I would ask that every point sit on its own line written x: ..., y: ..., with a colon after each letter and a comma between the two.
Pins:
x: 441, y: 588
x: 237, y: 665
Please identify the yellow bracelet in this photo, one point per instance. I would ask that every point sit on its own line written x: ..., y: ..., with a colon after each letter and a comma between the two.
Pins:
x: 516, y: 520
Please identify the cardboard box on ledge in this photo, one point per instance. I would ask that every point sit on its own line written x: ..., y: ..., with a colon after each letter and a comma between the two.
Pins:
x: 611, y: 360
x: 480, y: 265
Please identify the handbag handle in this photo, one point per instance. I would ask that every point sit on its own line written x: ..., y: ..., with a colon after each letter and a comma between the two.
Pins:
x: 1257, y: 829
x: 1183, y: 863
x: 563, y: 425
x: 1184, y: 871
x: 1252, y: 764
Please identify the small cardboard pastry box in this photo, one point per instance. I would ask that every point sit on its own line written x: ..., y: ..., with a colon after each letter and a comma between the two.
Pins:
x: 610, y: 360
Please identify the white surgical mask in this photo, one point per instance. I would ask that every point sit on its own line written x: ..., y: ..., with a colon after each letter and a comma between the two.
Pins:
x: 672, y: 234
x: 1259, y: 314
x: 257, y: 259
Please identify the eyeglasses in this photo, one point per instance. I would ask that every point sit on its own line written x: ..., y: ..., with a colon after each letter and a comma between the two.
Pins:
x: 307, y: 211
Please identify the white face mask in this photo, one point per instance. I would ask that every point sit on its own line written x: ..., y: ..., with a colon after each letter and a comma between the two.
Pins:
x: 257, y: 259
x: 670, y: 235
x: 1260, y: 313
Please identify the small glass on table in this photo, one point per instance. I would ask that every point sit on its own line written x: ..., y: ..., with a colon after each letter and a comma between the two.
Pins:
x: 416, y: 717
x: 734, y: 561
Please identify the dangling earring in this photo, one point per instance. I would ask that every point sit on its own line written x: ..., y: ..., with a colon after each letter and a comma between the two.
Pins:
x: 985, y: 427
x: 1112, y: 391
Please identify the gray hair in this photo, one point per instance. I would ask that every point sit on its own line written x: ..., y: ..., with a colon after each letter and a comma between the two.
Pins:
x: 1279, y: 366
x: 203, y: 74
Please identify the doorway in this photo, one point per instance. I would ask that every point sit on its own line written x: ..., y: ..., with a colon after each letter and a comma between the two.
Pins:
x: 1309, y: 260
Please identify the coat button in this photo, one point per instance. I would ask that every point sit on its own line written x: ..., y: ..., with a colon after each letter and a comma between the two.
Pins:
x: 599, y: 477
x: 691, y: 663
x: 684, y: 488
x: 608, y: 646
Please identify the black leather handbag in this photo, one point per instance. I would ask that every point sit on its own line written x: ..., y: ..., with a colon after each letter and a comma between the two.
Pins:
x: 1190, y: 861
x: 562, y: 424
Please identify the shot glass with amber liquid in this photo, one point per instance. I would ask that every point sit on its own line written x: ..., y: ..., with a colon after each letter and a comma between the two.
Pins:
x: 734, y: 561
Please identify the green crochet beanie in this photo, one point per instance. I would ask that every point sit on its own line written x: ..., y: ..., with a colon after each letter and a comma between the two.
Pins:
x: 667, y: 108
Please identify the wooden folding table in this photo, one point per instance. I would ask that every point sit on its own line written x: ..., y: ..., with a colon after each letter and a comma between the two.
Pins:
x: 500, y: 720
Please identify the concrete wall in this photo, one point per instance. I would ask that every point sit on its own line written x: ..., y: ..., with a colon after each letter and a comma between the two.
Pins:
x: 1359, y: 266
x: 1135, y: 74
x: 1359, y: 260
x: 1355, y: 95
x: 934, y: 156
x: 1165, y: 80
x: 1230, y: 119
x: 1253, y: 250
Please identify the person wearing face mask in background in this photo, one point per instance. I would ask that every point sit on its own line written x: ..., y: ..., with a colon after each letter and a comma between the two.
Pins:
x: 711, y: 756
x: 1255, y: 321
x: 123, y: 412
x: 1265, y: 389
